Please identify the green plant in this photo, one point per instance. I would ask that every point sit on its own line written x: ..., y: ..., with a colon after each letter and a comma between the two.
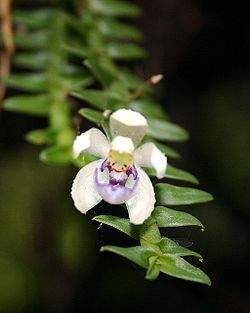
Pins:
x: 51, y: 46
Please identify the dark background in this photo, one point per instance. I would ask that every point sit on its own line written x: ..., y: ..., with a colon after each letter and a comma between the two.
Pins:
x: 49, y: 260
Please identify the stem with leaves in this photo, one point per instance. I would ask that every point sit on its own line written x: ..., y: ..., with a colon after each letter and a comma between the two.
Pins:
x: 54, y: 44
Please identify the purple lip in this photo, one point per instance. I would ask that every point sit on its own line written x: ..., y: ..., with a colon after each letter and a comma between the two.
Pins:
x: 115, y: 190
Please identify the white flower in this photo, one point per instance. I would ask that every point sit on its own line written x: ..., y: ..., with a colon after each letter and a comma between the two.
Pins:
x: 118, y: 177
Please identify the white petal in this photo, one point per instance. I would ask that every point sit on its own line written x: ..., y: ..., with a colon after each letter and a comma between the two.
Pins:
x: 128, y: 123
x: 83, y: 190
x: 148, y: 155
x: 93, y: 142
x: 141, y: 205
x: 122, y: 145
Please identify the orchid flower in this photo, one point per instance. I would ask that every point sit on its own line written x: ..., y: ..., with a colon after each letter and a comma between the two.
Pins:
x: 117, y: 177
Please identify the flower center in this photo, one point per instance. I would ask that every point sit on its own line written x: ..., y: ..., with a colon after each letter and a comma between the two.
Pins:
x: 120, y: 162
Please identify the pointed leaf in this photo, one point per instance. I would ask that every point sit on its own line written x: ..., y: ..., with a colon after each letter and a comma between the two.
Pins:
x: 125, y: 51
x: 166, y: 217
x: 168, y: 246
x: 35, y: 18
x: 27, y: 82
x: 92, y: 115
x: 34, y: 105
x: 148, y: 108
x: 122, y: 224
x: 164, y: 130
x: 56, y: 155
x: 117, y: 30
x: 177, y: 267
x: 33, y: 61
x: 32, y: 40
x: 40, y: 136
x: 175, y: 173
x: 115, y: 8
x: 97, y: 98
x: 173, y: 195
x: 138, y: 255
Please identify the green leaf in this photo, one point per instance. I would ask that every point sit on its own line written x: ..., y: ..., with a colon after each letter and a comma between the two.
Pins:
x: 147, y: 232
x: 33, y: 61
x: 39, y: 136
x: 177, y: 267
x: 34, y: 40
x: 102, y: 69
x: 170, y: 152
x: 175, y: 173
x: 79, y: 51
x: 164, y: 130
x: 92, y: 115
x: 121, y: 224
x: 38, y: 105
x: 148, y: 108
x: 27, y: 82
x: 153, y: 268
x: 97, y: 98
x: 114, y: 8
x: 56, y: 155
x: 168, y: 246
x: 138, y: 255
x: 117, y: 30
x: 166, y: 217
x: 173, y: 195
x: 34, y: 19
x: 125, y: 51
x: 129, y: 79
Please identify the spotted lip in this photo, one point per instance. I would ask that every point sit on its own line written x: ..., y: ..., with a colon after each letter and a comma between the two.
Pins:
x: 115, y: 191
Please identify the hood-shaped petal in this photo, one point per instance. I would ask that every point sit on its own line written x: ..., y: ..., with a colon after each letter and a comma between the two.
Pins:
x: 93, y: 142
x: 148, y: 155
x: 83, y: 191
x: 141, y: 205
x: 128, y: 123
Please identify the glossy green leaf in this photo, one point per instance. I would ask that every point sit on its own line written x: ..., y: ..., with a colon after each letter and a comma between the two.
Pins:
x: 97, y: 98
x: 138, y: 255
x: 177, y: 267
x: 170, y: 152
x: 175, y: 173
x: 56, y: 155
x: 92, y: 115
x: 148, y: 108
x: 121, y: 224
x: 169, y: 246
x: 166, y: 217
x: 27, y: 82
x: 114, y: 8
x: 31, y: 40
x: 125, y: 51
x: 38, y: 105
x: 173, y: 195
x: 117, y: 30
x: 33, y: 61
x: 164, y: 130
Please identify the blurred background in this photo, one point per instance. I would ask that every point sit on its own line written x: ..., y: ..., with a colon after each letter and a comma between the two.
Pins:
x: 49, y: 259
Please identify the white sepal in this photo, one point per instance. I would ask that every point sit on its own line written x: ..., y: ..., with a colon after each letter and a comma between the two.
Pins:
x: 128, y: 123
x: 83, y: 191
x: 93, y: 142
x: 141, y: 205
x: 148, y: 155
